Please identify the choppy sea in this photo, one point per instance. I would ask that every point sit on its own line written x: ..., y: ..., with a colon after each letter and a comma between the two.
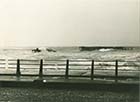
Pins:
x: 70, y: 53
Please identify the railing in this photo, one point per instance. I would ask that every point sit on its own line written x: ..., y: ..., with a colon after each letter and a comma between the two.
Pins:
x: 93, y: 69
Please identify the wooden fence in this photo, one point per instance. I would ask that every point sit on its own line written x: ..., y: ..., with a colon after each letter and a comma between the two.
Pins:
x: 93, y: 69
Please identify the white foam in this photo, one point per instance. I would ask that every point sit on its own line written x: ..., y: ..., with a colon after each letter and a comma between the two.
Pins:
x: 104, y: 50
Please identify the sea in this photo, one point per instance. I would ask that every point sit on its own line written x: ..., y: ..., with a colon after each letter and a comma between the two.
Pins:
x: 58, y: 53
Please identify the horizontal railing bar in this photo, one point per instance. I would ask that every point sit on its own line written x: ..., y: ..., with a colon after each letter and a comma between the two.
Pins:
x: 78, y: 69
x: 128, y: 65
x: 70, y: 69
x: 72, y: 60
x: 42, y: 75
x: 86, y: 69
x: 55, y: 60
x: 28, y: 68
x: 7, y: 74
x: 119, y: 77
x: 128, y: 70
x: 88, y: 65
x: 28, y: 64
x: 20, y: 67
x: 32, y: 60
x: 36, y: 75
x: 23, y: 60
x: 88, y: 76
x: 104, y: 65
x: 95, y: 76
x: 54, y: 68
x: 11, y: 67
x: 98, y: 76
x: 64, y: 69
x: 2, y: 59
x: 105, y: 69
x: 2, y: 63
x: 2, y: 67
x: 12, y: 59
x: 71, y: 64
x: 76, y: 65
x: 75, y: 61
x: 108, y: 76
x: 12, y: 63
x: 88, y: 60
x: 24, y: 63
x: 54, y: 64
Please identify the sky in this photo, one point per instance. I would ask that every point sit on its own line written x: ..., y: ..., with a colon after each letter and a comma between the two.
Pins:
x: 69, y: 23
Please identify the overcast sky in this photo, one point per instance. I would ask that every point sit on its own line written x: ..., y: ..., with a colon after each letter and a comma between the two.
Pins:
x: 69, y: 22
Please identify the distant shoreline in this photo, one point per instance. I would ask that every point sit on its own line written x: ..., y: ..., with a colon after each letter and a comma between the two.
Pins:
x: 89, y: 47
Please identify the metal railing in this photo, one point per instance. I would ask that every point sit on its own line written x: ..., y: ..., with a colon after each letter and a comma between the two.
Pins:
x: 66, y: 68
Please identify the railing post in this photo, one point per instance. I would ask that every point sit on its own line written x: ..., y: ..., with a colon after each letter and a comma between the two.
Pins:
x: 18, y: 73
x: 116, y: 71
x: 92, y: 70
x: 67, y: 70
x: 41, y: 69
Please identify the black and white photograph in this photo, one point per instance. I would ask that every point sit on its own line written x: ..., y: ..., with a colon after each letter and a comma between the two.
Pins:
x: 69, y: 50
